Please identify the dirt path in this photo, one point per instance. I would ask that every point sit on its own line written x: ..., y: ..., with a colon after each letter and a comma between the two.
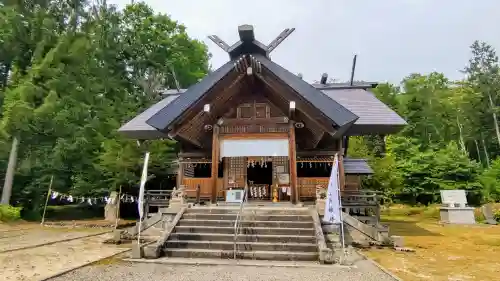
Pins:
x: 42, y: 262
x: 18, y: 239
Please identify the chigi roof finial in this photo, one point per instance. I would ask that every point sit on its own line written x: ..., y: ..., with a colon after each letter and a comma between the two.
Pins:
x: 248, y: 44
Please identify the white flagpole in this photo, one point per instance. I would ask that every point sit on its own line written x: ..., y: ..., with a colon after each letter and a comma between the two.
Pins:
x: 340, y: 211
x: 140, y: 203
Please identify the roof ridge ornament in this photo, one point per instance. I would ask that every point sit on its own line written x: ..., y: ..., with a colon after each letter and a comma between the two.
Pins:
x: 248, y: 44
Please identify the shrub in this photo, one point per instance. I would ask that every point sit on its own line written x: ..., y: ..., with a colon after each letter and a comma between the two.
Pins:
x: 496, y: 215
x: 9, y: 213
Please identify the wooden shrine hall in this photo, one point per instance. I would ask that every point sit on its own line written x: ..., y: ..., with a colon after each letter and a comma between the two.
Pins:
x: 252, y: 122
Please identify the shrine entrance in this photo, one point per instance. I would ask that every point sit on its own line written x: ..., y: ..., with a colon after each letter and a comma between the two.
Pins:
x: 260, y: 179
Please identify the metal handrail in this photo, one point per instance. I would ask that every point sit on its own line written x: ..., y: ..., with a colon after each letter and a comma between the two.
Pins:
x: 236, y: 222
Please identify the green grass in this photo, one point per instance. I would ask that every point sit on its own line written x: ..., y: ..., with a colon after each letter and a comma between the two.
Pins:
x: 443, y: 252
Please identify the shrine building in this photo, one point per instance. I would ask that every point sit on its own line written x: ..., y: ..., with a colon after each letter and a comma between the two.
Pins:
x: 253, y: 123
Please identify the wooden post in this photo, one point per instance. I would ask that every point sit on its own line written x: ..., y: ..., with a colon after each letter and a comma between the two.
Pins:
x: 341, y: 167
x: 198, y: 193
x: 180, y: 173
x: 118, y: 199
x: 293, y: 163
x: 215, y: 162
x: 47, y: 199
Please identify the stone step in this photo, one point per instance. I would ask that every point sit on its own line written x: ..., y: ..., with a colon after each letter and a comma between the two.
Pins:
x: 241, y: 246
x: 243, y: 237
x: 208, y: 216
x: 255, y: 255
x: 227, y: 223
x: 246, y: 210
x: 245, y: 230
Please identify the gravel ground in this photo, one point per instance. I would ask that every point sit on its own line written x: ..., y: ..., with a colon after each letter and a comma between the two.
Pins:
x: 45, y: 261
x: 16, y: 239
x: 127, y: 271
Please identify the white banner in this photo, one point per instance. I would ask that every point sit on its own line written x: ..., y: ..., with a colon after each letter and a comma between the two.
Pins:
x: 144, y: 178
x: 332, y: 206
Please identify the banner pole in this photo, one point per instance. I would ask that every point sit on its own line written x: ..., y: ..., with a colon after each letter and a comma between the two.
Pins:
x: 118, y: 207
x: 140, y: 201
x: 47, y: 199
x: 341, y: 213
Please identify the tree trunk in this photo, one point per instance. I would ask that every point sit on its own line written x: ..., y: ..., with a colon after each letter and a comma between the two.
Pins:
x: 461, y: 140
x: 485, y: 153
x: 478, y: 152
x: 493, y: 111
x: 9, y: 176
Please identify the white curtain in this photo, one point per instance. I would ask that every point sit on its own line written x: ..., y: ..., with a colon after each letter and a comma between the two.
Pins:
x: 254, y: 147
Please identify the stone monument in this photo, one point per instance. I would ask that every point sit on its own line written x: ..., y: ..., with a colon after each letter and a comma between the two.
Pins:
x: 111, y: 208
x: 454, y: 209
x: 488, y: 214
x: 177, y: 198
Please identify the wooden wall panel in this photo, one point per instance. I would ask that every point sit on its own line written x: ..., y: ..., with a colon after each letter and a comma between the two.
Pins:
x: 205, y: 186
x: 352, y: 182
x: 307, y: 186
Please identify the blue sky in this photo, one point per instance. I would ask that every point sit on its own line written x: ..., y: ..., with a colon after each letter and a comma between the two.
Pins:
x: 391, y: 37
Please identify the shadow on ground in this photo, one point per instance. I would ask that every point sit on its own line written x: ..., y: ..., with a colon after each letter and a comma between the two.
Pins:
x: 408, y: 228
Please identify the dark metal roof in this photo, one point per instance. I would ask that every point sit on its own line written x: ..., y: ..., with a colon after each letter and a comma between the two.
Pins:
x: 357, y: 166
x: 164, y: 117
x: 339, y: 114
x: 375, y: 117
x: 137, y: 128
x: 347, y: 85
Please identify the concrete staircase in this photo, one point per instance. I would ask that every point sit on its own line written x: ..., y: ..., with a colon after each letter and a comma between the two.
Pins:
x: 265, y: 233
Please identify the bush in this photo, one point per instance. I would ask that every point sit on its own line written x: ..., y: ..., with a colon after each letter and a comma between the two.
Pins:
x: 496, y: 215
x: 74, y: 212
x: 9, y: 213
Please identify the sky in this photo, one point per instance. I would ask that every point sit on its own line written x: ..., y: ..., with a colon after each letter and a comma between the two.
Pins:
x: 392, y: 38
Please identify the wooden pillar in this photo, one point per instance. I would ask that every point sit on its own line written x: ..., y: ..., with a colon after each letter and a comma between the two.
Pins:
x: 293, y: 162
x: 341, y: 166
x: 180, y: 173
x: 215, y: 162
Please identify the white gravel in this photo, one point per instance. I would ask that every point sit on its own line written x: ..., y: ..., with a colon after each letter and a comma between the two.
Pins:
x: 45, y: 261
x: 127, y: 271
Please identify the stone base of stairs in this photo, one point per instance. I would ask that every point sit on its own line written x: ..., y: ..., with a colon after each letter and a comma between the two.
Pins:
x: 279, y: 233
x: 251, y: 255
x: 232, y: 262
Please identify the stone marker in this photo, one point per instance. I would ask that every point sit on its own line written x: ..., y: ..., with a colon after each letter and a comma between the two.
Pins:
x: 398, y: 241
x: 488, y: 214
x: 137, y: 250
x: 454, y: 209
x: 110, y: 210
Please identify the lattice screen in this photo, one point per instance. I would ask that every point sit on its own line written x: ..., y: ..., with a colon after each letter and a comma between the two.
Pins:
x: 188, y: 170
x: 280, y: 161
x: 237, y: 170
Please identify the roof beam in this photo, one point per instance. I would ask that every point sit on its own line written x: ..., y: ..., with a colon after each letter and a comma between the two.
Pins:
x: 194, y: 110
x: 280, y: 38
x: 219, y: 42
x: 190, y: 140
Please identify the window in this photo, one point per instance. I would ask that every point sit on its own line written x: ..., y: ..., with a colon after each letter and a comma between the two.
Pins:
x: 245, y: 112
x: 248, y: 111
x: 261, y: 111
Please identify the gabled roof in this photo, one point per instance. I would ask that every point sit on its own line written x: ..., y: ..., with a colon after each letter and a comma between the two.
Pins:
x: 357, y: 166
x: 137, y: 128
x: 167, y: 115
x: 374, y: 115
x: 340, y: 115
